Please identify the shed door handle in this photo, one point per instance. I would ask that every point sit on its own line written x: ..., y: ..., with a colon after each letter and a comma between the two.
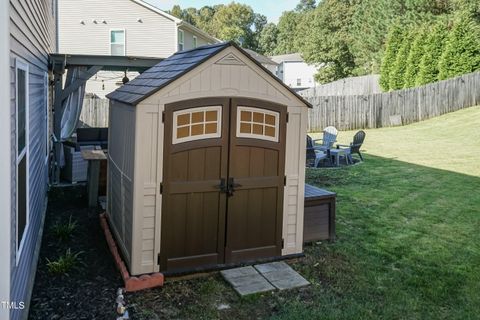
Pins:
x: 231, y: 186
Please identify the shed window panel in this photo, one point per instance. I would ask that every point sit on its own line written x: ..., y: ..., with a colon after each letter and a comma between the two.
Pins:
x: 197, y: 124
x: 117, y: 42
x: 257, y: 123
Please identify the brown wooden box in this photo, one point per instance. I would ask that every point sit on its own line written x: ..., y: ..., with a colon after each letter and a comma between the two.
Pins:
x: 319, y: 216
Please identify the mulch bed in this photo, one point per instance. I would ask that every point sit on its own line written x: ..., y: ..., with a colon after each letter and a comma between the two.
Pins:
x: 89, y: 290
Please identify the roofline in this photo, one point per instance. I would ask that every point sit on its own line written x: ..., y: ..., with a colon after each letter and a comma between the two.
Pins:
x: 178, y: 21
x: 157, y: 10
x: 182, y: 23
x: 308, y: 104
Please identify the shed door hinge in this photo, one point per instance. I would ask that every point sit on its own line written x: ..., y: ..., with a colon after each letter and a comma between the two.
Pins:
x: 158, y: 259
x: 161, y: 187
x: 285, y: 180
x: 288, y: 116
x: 283, y: 243
x: 163, y: 116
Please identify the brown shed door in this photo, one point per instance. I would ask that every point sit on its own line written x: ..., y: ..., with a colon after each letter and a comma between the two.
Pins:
x: 223, y: 182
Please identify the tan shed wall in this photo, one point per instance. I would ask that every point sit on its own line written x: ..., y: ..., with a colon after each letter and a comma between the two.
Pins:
x: 212, y: 80
x: 121, y: 151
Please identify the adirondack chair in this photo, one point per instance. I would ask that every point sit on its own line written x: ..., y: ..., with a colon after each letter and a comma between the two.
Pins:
x: 355, y: 146
x: 314, y: 156
x: 329, y: 138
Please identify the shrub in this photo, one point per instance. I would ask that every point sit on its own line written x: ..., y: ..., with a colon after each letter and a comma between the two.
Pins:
x: 63, y: 231
x: 434, y: 46
x: 64, y: 263
x: 462, y: 49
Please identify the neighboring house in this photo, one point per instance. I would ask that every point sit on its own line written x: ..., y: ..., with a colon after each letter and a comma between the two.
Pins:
x: 29, y: 27
x: 294, y: 71
x: 125, y: 28
x: 264, y: 61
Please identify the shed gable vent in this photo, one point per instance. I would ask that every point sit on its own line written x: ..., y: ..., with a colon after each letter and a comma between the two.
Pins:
x: 230, y: 59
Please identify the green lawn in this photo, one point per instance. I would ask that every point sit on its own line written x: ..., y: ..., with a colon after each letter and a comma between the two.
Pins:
x: 408, y: 227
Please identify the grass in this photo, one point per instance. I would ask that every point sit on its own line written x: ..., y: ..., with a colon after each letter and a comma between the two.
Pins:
x: 408, y: 246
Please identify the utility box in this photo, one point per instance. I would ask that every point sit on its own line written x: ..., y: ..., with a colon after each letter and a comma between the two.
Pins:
x: 319, y: 219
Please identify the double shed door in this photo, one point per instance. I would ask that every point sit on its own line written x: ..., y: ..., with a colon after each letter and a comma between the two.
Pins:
x: 224, y: 162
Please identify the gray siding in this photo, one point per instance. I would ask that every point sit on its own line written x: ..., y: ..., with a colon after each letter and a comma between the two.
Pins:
x: 32, y: 37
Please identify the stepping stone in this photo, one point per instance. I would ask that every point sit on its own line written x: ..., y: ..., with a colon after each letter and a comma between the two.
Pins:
x: 246, y: 280
x: 281, y: 275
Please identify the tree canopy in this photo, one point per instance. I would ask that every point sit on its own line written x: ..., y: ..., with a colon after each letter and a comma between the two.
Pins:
x: 356, y: 37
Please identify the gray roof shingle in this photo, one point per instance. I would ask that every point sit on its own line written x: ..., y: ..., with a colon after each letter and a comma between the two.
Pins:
x: 163, y: 73
x: 173, y: 68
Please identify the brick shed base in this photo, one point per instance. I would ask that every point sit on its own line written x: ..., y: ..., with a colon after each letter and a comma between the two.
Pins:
x: 142, y: 282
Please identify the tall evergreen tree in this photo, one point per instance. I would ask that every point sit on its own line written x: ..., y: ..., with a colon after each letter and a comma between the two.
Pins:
x: 397, y: 76
x: 414, y: 57
x: 287, y: 32
x: 434, y: 45
x: 394, y: 41
x: 462, y: 49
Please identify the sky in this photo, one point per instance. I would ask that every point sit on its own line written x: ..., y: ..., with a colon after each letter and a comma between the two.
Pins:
x: 272, y: 9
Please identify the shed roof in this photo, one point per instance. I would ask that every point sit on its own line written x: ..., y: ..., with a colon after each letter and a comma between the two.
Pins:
x: 174, y: 67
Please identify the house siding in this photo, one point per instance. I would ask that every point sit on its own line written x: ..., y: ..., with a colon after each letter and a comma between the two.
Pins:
x: 32, y: 38
x: 94, y: 38
x: 154, y: 36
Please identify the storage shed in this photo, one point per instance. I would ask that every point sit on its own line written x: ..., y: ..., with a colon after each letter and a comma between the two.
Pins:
x: 206, y: 163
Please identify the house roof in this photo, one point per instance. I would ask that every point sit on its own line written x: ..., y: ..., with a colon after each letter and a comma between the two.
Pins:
x: 261, y: 58
x: 179, y: 22
x: 291, y: 57
x: 174, y: 67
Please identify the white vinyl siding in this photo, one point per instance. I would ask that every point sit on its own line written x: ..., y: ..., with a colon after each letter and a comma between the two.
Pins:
x: 117, y: 42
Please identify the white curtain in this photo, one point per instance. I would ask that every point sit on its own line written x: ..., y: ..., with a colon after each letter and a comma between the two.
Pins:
x: 72, y: 105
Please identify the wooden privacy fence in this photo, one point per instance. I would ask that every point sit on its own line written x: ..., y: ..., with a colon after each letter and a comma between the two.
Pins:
x: 393, y: 108
x: 95, y: 112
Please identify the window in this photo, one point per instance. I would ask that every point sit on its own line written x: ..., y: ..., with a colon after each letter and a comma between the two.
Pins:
x: 299, y: 82
x: 117, y: 42
x: 257, y: 123
x: 195, y: 41
x: 196, y: 124
x: 181, y: 40
x: 21, y: 121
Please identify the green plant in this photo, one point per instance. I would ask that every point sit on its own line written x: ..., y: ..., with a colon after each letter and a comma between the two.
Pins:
x: 414, y: 57
x: 462, y: 49
x: 397, y: 74
x: 394, y: 41
x: 434, y: 46
x: 64, y: 263
x: 63, y: 231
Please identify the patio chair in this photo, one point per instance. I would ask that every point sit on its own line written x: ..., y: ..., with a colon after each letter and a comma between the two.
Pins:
x: 329, y: 138
x: 314, y: 156
x: 355, y: 146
